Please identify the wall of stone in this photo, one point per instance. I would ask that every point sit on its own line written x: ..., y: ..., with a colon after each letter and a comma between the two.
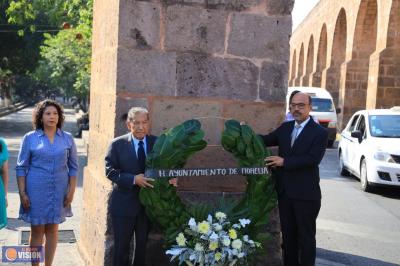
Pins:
x: 206, y: 59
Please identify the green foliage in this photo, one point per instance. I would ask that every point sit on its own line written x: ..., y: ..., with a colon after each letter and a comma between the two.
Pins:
x: 63, y: 54
x: 249, y: 150
x: 174, y: 147
x: 171, y: 150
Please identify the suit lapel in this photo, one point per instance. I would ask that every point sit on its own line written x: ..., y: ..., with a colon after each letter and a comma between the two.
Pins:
x: 304, y: 133
x: 130, y: 148
x: 288, y: 137
x: 149, y: 143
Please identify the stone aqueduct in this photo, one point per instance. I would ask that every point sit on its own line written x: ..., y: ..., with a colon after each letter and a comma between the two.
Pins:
x: 351, y: 48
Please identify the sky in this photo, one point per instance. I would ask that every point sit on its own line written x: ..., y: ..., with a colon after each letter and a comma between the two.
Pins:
x: 301, y: 9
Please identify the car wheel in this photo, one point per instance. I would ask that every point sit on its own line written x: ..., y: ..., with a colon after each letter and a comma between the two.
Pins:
x: 364, y: 177
x: 342, y: 169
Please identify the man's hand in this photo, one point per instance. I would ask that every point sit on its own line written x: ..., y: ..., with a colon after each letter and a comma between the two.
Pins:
x: 274, y: 161
x: 173, y: 181
x: 143, y: 181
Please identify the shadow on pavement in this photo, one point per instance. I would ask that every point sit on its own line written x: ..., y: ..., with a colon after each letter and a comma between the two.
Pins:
x: 350, y: 259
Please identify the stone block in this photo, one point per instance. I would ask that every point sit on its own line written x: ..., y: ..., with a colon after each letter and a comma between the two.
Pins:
x: 139, y: 27
x: 211, y: 198
x: 391, y: 93
x: 195, y: 29
x: 280, y: 7
x: 249, y: 36
x: 185, y: 2
x: 201, y: 76
x: 261, y: 117
x: 273, y: 81
x: 213, y: 156
x: 236, y: 5
x: 167, y: 113
x: 146, y: 72
x: 122, y: 107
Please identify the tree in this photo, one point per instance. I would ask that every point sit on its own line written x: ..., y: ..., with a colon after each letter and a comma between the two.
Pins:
x: 65, y: 54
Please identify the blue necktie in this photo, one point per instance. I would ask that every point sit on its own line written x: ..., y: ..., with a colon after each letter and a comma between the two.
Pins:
x: 294, y: 134
x: 141, y: 157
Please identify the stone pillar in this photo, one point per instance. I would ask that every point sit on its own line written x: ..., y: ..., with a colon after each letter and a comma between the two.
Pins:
x: 315, y: 79
x: 384, y: 81
x: 182, y: 59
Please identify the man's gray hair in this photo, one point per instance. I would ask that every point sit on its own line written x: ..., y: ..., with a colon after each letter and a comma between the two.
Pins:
x: 136, y: 110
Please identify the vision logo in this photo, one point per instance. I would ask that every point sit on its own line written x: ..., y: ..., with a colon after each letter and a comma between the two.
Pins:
x: 18, y: 254
x: 11, y: 254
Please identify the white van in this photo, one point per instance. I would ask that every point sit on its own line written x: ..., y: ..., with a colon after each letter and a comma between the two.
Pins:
x: 323, y: 109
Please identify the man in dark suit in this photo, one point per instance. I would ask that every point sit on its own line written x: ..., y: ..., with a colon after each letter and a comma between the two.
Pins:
x: 302, y: 144
x: 125, y: 167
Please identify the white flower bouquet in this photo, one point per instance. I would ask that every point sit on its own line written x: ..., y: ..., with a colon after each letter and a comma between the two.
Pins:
x: 213, y: 242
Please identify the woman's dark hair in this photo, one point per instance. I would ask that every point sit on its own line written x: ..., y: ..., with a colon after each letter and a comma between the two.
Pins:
x: 39, y: 110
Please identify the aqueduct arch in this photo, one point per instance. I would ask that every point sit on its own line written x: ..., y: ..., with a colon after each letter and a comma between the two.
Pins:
x: 338, y: 56
x: 293, y: 66
x: 321, y: 58
x: 300, y: 67
x: 309, y: 62
x: 362, y: 63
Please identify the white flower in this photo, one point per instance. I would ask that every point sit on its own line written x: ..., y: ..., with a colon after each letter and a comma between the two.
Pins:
x: 217, y: 256
x: 204, y: 227
x: 246, y: 238
x: 181, y: 240
x: 213, y: 245
x: 237, y: 244
x: 237, y: 226
x: 214, y: 237
x: 240, y: 255
x: 192, y: 224
x: 209, y: 219
x: 226, y: 241
x: 232, y: 233
x: 217, y: 227
x: 174, y: 251
x: 198, y: 247
x: 244, y: 222
x: 220, y: 215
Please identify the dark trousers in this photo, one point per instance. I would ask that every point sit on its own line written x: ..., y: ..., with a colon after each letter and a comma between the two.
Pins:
x: 298, y: 225
x: 124, y: 228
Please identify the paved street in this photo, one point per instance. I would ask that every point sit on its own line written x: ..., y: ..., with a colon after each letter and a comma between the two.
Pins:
x: 12, y: 129
x: 354, y: 227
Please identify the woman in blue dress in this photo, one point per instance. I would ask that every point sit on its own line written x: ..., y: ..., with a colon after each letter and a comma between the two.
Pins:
x: 3, y: 182
x: 46, y: 174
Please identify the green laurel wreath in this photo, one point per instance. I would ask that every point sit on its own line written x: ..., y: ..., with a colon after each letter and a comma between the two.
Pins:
x: 173, y: 148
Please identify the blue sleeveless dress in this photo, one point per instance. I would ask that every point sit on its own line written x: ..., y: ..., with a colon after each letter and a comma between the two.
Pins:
x: 3, y: 212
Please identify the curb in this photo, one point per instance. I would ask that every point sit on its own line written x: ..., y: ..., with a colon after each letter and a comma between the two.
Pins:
x: 12, y: 109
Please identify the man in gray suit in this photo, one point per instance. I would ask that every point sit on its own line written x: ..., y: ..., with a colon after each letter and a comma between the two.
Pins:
x: 125, y: 167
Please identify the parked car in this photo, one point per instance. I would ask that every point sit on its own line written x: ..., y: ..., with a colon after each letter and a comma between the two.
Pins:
x: 323, y: 109
x: 370, y: 147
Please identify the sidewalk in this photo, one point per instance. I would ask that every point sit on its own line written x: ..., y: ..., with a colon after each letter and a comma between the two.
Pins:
x: 12, y: 129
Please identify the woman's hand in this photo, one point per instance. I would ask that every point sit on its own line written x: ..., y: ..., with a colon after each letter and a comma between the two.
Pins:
x: 68, y: 199
x: 26, y: 203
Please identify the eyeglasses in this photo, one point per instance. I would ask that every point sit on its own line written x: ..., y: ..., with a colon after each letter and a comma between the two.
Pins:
x: 298, y: 105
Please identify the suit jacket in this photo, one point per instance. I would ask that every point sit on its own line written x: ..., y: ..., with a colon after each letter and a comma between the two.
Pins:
x: 298, y: 178
x: 121, y: 167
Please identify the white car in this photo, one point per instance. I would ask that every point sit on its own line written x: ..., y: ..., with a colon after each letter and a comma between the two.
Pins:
x: 370, y: 147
